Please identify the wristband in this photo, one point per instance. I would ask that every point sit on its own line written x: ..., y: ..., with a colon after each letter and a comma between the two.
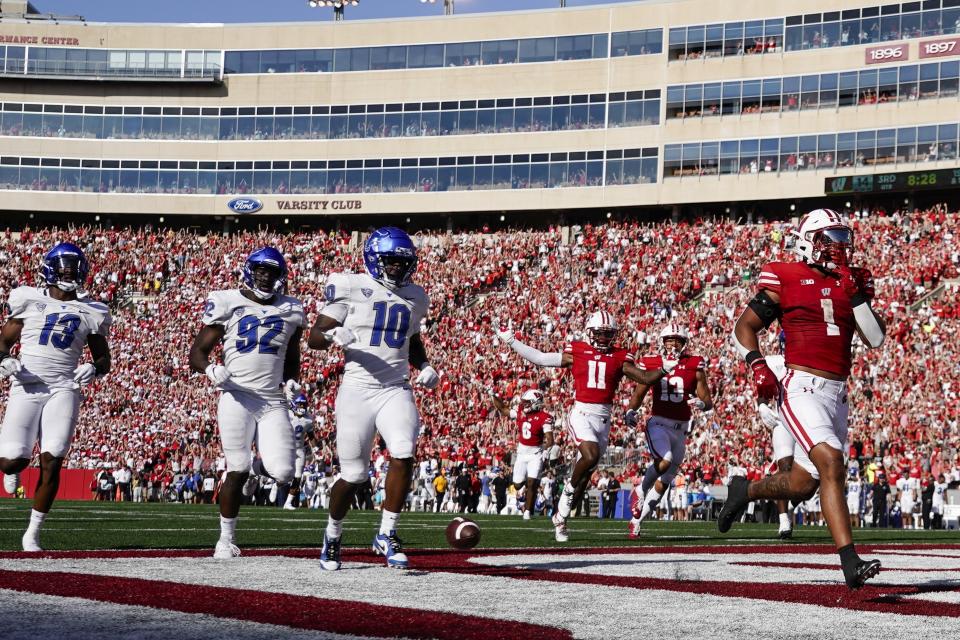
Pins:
x: 752, y: 357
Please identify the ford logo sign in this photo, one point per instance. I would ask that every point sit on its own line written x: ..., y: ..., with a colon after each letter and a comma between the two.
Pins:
x: 245, y: 205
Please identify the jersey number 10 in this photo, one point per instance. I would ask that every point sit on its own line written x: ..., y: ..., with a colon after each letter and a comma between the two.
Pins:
x: 390, y: 325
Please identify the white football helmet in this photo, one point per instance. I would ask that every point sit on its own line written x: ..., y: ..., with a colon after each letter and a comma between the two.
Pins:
x: 532, y: 400
x: 676, y: 332
x: 825, y: 238
x: 602, y: 329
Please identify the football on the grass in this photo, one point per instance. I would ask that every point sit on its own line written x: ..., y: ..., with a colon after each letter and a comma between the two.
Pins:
x: 463, y: 533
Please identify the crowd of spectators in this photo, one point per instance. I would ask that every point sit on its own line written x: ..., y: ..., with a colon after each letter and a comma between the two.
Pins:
x: 153, y: 416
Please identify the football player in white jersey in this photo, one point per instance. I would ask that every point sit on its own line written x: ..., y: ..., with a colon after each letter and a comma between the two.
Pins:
x: 260, y: 329
x: 302, y: 423
x: 53, y: 324
x: 375, y: 318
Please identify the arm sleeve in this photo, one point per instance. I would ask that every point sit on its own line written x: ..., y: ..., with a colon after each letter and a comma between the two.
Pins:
x: 536, y: 356
x: 215, y: 310
x: 868, y: 325
x: 337, y: 296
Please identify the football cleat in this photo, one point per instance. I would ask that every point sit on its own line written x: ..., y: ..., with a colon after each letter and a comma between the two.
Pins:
x: 634, y: 528
x: 391, y: 547
x: 560, y: 528
x: 31, y: 541
x: 735, y: 505
x: 526, y: 515
x: 226, y: 550
x: 11, y: 481
x: 330, y: 556
x: 861, y: 572
x: 785, y: 534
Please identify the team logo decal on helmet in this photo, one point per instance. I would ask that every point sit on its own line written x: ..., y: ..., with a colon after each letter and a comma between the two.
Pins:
x: 390, y: 257
x: 265, y: 273
x: 602, y: 329
x: 824, y: 238
x: 65, y: 267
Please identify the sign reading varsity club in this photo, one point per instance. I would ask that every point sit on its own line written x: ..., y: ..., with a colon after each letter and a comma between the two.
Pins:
x: 887, y: 53
x: 319, y: 205
x: 49, y: 40
x: 245, y: 205
x: 939, y: 48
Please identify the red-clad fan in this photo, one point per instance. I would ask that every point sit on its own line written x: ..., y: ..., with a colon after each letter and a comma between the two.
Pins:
x: 597, y: 366
x: 534, y: 440
x: 819, y: 302
x: 685, y: 389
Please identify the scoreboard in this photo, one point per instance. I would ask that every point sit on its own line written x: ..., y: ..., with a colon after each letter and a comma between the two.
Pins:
x: 890, y: 182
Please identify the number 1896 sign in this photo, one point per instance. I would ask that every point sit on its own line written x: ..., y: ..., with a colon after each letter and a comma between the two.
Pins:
x: 887, y: 53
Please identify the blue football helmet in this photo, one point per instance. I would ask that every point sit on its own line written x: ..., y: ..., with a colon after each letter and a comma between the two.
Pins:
x: 782, y: 340
x: 64, y: 261
x: 299, y: 406
x: 390, y: 257
x: 265, y: 273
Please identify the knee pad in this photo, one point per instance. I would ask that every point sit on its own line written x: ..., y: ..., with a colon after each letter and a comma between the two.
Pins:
x: 238, y: 461
x: 353, y: 471
x: 279, y: 470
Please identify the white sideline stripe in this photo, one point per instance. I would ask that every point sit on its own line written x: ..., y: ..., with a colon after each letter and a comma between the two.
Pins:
x: 666, y: 614
x: 28, y: 616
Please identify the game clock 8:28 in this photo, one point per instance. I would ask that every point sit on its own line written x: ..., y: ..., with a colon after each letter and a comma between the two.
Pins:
x: 922, y: 179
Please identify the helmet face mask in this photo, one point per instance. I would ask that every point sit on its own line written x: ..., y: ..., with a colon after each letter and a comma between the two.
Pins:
x: 673, y: 346
x: 602, y: 330
x: 824, y: 238
x: 390, y: 257
x: 531, y: 401
x: 65, y: 267
x: 265, y: 273
x: 299, y: 406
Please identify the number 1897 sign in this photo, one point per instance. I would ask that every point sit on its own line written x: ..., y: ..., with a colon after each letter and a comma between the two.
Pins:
x: 938, y: 48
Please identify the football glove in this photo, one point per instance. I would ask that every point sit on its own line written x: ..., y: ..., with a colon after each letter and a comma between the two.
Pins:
x: 10, y: 367
x: 218, y: 374
x: 696, y: 403
x: 768, y: 415
x: 768, y: 387
x: 341, y: 336
x: 506, y: 336
x: 631, y: 417
x: 428, y: 378
x: 291, y: 389
x: 84, y: 374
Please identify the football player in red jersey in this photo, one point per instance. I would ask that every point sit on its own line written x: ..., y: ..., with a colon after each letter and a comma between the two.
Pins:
x: 684, y: 389
x: 820, y: 303
x: 597, y: 367
x: 534, y: 438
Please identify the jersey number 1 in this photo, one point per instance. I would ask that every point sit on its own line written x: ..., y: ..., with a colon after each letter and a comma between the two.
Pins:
x: 832, y: 329
x: 596, y: 374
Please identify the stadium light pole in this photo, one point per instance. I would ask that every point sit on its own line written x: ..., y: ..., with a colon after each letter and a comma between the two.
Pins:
x: 338, y: 6
x: 447, y: 6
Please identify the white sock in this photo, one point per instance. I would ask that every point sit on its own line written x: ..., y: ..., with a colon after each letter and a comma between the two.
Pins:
x: 388, y: 522
x: 565, y: 499
x: 334, y: 528
x: 227, y: 528
x: 36, y: 521
x: 785, y: 521
x: 650, y: 501
x: 289, y: 502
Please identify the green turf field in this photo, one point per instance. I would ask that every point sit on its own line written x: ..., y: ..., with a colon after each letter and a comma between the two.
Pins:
x: 100, y: 525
